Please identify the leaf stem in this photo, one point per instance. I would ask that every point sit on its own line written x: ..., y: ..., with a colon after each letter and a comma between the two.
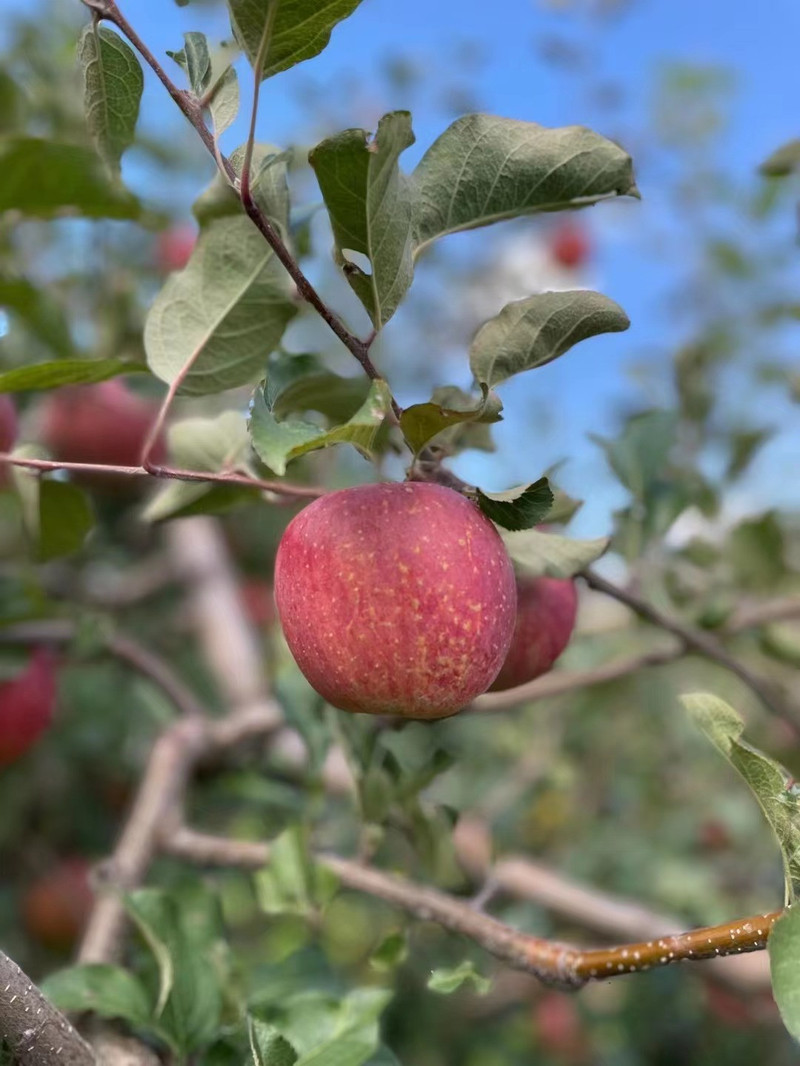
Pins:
x: 258, y: 67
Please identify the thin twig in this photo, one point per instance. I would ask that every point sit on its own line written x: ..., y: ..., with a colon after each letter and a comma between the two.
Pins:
x: 36, y: 1033
x: 174, y: 473
x: 563, y: 681
x: 553, y: 963
x: 698, y: 641
x: 258, y: 67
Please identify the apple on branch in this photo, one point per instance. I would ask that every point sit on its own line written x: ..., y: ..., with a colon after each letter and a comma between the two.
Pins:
x: 27, y: 702
x: 546, y: 610
x: 396, y: 599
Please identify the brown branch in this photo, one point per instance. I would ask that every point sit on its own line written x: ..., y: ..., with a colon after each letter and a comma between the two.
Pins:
x: 750, y: 616
x: 553, y: 963
x: 192, y: 110
x: 562, y: 681
x: 37, y: 1033
x: 280, y: 488
x: 144, y: 661
x: 698, y: 641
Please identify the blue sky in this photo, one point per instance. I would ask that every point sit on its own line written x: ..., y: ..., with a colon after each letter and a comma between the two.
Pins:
x: 505, y: 74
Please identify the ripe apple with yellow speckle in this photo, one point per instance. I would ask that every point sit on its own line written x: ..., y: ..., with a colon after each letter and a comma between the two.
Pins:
x: 396, y: 599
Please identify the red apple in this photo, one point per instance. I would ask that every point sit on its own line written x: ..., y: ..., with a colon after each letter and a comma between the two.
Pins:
x: 26, y: 706
x: 8, y: 423
x: 569, y: 245
x: 104, y: 423
x: 546, y: 609
x: 56, y: 907
x: 395, y: 599
x: 174, y: 247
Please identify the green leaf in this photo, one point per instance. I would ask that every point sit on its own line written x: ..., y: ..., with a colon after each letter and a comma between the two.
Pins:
x: 520, y: 508
x: 422, y: 422
x: 39, y: 312
x: 450, y: 980
x: 783, y: 161
x: 534, y: 331
x: 390, y: 953
x: 268, y: 186
x: 369, y: 203
x: 195, y: 59
x: 184, y: 930
x: 332, y: 1031
x: 756, y: 551
x: 112, y: 91
x: 65, y: 519
x: 641, y: 453
x: 181, y: 499
x: 744, y: 446
x: 267, y: 1045
x: 302, y: 29
x: 299, y: 383
x: 770, y: 783
x: 12, y: 104
x: 292, y: 883
x: 41, y: 178
x: 485, y: 169
x: 222, y: 314
x: 277, y: 443
x: 66, y: 372
x: 784, y: 965
x: 549, y: 555
x: 224, y: 102
x: 102, y: 989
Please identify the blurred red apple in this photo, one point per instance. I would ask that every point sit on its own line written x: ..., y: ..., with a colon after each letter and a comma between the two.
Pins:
x: 104, y: 423
x: 8, y: 423
x: 174, y: 247
x: 395, y: 599
x: 559, y: 1028
x: 27, y: 702
x: 259, y: 602
x: 56, y: 907
x: 569, y: 245
x: 546, y: 610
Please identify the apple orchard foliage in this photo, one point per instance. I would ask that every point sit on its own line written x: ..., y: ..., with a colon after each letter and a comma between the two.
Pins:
x: 408, y: 596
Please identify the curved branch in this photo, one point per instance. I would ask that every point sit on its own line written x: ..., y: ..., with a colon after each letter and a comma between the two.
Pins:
x: 553, y: 963
x: 702, y: 643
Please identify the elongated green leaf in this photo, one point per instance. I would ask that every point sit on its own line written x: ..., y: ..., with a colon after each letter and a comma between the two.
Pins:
x: 106, y: 990
x: 224, y: 103
x: 112, y: 90
x: 519, y: 508
x: 291, y: 883
x: 448, y: 981
x: 771, y: 784
x: 66, y: 372
x: 267, y: 1046
x: 484, y: 169
x: 369, y: 203
x: 301, y: 30
x: 39, y: 312
x: 222, y: 314
x: 184, y: 931
x: 782, y: 161
x: 784, y: 965
x: 422, y: 422
x: 195, y: 59
x: 549, y: 555
x: 534, y: 331
x: 277, y: 443
x: 42, y: 178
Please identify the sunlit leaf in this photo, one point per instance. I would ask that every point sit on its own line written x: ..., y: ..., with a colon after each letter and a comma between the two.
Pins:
x: 540, y: 554
x: 534, y: 331
x: 422, y: 422
x: 66, y: 372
